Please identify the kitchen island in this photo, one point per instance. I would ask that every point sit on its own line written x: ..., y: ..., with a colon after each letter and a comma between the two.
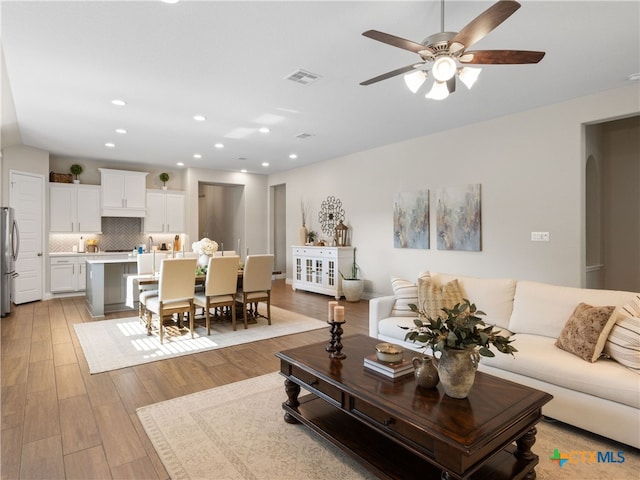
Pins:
x: 106, y: 284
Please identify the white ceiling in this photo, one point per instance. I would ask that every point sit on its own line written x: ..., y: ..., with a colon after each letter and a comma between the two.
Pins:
x: 228, y: 60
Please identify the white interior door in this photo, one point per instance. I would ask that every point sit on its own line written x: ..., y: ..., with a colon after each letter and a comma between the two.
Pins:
x: 27, y: 198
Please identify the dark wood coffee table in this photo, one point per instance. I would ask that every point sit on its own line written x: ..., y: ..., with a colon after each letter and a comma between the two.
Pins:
x: 400, y: 431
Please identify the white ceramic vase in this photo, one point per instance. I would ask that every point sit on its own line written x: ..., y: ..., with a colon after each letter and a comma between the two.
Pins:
x: 203, y: 260
x: 352, y: 289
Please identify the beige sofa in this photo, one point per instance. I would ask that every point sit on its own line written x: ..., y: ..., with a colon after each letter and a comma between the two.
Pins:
x: 602, y: 397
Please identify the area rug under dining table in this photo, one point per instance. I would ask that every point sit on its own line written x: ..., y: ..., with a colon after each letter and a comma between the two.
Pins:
x: 123, y: 342
x: 237, y: 431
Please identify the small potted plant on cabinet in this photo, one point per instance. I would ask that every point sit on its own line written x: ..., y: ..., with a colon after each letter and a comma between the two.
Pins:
x: 164, y: 178
x: 76, y: 170
x: 353, y: 285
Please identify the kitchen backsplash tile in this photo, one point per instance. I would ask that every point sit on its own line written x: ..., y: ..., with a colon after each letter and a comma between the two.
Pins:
x: 118, y: 233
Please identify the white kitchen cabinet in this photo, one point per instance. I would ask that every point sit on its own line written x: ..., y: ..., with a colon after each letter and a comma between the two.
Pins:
x: 74, y: 208
x: 123, y: 193
x: 317, y: 269
x: 165, y: 212
x: 68, y: 274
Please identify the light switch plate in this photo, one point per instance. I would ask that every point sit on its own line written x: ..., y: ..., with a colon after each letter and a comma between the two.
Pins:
x: 539, y: 236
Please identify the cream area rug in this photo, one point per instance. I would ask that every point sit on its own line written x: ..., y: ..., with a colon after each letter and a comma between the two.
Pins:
x: 112, y: 344
x: 237, y: 431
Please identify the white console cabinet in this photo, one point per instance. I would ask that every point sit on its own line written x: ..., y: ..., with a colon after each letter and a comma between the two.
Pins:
x: 317, y: 269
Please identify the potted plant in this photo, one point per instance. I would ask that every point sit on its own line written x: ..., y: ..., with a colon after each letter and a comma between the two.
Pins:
x: 76, y: 170
x: 164, y: 178
x: 353, y: 285
x: 461, y: 337
x: 312, y: 236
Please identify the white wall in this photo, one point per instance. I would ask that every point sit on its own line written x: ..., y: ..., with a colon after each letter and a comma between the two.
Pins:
x: 530, y: 165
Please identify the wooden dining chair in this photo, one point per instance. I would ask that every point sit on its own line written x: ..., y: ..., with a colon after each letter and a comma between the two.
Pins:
x: 220, y: 287
x: 256, y: 284
x: 175, y: 293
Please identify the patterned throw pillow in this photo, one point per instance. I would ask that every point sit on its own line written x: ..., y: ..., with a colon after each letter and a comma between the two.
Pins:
x: 623, y: 343
x: 405, y: 293
x: 586, y: 331
x: 433, y: 298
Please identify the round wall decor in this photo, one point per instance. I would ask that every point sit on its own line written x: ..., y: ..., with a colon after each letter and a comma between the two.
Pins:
x: 331, y: 213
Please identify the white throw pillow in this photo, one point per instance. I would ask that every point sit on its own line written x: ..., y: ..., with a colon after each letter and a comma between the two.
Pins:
x: 623, y: 343
x: 405, y: 292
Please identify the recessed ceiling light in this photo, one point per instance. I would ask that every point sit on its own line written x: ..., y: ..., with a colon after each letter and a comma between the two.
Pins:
x: 170, y: 1
x: 109, y: 145
x: 180, y: 164
x: 244, y: 170
x: 264, y: 130
x: 633, y: 77
x: 293, y: 156
x: 219, y: 145
x: 118, y: 102
x: 197, y: 155
x: 121, y: 131
x: 199, y: 118
x: 265, y: 164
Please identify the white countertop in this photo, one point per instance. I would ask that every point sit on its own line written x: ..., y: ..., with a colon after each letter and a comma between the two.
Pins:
x: 131, y: 259
x: 87, y: 254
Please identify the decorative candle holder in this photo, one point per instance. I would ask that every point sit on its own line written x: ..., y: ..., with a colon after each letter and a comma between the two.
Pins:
x: 331, y: 347
x: 337, y: 341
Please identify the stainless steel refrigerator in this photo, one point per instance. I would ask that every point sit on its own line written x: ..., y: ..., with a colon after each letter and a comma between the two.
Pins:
x: 9, y: 248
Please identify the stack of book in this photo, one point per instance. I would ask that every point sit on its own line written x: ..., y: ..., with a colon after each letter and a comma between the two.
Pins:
x: 391, y: 370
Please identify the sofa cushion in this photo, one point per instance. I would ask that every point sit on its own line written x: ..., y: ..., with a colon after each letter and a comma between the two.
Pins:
x: 433, y: 298
x: 586, y: 331
x: 390, y: 327
x: 538, y: 358
x: 543, y: 309
x: 406, y: 292
x: 623, y: 343
x: 494, y: 296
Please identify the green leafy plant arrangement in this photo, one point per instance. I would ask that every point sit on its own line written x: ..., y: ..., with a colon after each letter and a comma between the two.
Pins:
x: 460, y: 328
x: 76, y: 169
x: 164, y: 178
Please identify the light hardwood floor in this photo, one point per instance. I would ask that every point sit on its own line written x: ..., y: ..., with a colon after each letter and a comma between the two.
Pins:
x: 58, y: 421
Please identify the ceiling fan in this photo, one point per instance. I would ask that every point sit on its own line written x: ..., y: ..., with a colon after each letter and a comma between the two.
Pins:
x: 445, y: 54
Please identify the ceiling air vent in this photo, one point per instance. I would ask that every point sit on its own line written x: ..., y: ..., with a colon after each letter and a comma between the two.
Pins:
x: 303, y: 136
x: 303, y: 77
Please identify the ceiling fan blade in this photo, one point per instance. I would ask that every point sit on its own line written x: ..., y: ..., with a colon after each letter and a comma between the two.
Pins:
x: 480, y: 26
x: 396, y: 41
x: 451, y: 85
x: 501, y: 57
x: 390, y: 74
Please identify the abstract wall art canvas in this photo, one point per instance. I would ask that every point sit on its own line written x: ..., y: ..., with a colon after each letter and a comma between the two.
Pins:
x: 458, y: 218
x: 411, y: 219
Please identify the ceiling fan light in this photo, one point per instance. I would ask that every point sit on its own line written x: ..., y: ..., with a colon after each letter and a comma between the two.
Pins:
x: 439, y: 91
x: 414, y: 80
x: 469, y: 75
x: 444, y: 68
